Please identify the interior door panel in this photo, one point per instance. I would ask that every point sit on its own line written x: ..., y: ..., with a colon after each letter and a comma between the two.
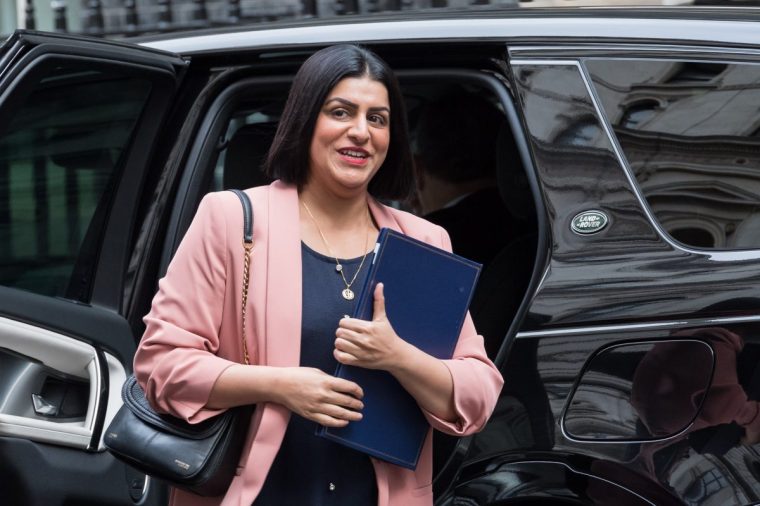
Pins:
x: 42, y: 474
x: 50, y: 386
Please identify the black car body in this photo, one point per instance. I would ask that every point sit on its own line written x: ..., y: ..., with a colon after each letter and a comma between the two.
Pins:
x: 621, y: 311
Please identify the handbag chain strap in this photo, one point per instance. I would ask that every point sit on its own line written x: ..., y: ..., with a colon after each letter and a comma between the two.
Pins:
x: 247, y: 247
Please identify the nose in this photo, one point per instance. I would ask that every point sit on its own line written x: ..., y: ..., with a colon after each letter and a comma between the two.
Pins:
x: 359, y: 131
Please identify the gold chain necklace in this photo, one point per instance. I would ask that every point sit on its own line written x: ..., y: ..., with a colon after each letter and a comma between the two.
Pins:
x: 348, y: 294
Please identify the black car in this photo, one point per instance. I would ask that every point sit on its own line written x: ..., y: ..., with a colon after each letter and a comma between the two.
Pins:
x: 620, y: 302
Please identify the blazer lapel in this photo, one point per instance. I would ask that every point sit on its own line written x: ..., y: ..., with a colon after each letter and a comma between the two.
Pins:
x: 382, y: 217
x: 281, y: 333
x: 283, y: 313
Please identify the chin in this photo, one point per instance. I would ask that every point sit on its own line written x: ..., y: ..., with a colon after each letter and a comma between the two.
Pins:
x: 354, y: 181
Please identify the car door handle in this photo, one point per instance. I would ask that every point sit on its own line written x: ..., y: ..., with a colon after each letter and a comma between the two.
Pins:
x: 43, y: 407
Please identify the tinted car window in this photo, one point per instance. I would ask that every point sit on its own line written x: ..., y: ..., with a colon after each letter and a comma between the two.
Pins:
x: 60, y: 157
x: 246, y: 143
x: 689, y: 131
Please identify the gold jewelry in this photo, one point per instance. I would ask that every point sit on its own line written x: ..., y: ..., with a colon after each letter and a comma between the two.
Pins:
x: 348, y: 294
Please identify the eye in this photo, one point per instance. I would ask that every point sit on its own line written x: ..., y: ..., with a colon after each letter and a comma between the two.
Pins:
x: 339, y: 113
x: 378, y: 119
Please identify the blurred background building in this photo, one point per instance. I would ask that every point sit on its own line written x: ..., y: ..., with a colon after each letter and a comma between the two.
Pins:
x: 116, y: 18
x: 119, y: 18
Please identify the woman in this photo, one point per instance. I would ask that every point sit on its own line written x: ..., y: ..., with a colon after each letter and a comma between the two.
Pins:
x: 341, y: 143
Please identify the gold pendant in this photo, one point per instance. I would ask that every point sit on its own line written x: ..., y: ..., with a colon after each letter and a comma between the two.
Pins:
x: 348, y: 294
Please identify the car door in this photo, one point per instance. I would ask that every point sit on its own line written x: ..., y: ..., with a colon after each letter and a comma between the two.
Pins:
x: 634, y: 376
x: 79, y: 121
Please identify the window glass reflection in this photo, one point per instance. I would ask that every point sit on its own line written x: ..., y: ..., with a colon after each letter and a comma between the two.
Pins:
x: 640, y: 391
x: 61, y: 156
x: 689, y: 133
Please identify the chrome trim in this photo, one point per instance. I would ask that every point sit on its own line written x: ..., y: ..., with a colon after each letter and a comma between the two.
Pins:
x: 714, y: 31
x: 553, y: 63
x: 569, y: 397
x: 659, y: 48
x: 604, y: 328
x: 700, y: 322
x: 618, y: 441
x: 146, y: 486
x: 117, y: 375
x: 567, y: 466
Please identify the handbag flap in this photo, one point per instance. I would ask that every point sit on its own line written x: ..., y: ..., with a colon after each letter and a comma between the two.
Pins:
x: 134, y: 399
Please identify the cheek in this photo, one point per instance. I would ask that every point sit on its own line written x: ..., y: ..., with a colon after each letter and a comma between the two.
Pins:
x: 314, y: 152
x: 383, y: 141
x: 324, y: 133
x: 320, y: 140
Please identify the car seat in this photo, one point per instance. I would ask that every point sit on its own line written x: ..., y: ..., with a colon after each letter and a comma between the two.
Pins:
x: 246, y: 151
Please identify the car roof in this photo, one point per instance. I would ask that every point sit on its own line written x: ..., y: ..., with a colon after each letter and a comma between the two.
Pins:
x: 718, y: 25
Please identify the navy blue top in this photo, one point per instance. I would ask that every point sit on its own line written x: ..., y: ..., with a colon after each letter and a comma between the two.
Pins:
x: 309, y: 469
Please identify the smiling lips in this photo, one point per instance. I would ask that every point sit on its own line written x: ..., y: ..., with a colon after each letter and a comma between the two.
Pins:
x: 355, y: 156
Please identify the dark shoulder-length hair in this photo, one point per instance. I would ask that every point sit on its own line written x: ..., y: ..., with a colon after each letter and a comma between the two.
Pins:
x: 288, y: 157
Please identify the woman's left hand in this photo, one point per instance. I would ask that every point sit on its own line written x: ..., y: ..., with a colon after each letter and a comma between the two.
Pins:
x: 369, y: 344
x: 375, y: 345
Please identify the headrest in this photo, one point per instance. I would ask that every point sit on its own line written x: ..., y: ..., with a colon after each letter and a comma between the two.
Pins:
x: 246, y: 151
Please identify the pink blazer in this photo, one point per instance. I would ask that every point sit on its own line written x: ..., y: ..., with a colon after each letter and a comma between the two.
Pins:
x: 193, y: 335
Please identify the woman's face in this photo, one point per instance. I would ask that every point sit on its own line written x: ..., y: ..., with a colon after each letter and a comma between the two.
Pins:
x: 351, y: 136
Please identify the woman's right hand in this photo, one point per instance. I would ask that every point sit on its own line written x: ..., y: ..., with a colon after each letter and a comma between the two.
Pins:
x: 317, y: 396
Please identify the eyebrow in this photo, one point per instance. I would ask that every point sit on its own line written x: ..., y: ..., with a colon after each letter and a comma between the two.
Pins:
x: 354, y: 106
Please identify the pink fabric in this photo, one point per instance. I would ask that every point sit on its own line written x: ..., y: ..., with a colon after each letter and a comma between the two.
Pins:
x: 666, y: 391
x: 192, y: 335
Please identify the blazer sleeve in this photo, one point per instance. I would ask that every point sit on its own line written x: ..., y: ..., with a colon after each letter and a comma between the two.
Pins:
x: 176, y: 361
x: 477, y: 381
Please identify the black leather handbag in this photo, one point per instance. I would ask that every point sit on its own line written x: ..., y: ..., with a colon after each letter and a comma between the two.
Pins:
x: 201, y: 458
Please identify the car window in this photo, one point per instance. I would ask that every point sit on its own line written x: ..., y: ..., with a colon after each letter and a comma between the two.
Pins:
x: 690, y: 133
x: 60, y: 160
x: 245, y: 144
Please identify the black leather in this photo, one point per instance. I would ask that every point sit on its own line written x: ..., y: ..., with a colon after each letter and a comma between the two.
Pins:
x: 247, y: 215
x: 201, y: 458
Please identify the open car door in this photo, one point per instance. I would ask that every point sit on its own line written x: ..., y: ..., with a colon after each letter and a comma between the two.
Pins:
x: 79, y: 121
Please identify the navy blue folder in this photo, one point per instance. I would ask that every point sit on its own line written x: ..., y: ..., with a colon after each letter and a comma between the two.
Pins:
x: 427, y: 293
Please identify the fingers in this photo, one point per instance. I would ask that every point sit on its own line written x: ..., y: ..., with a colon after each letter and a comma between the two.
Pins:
x: 352, y: 342
x: 338, y: 409
x: 320, y: 397
x: 345, y: 358
x: 332, y: 413
x: 354, y: 324
x: 347, y: 342
x: 348, y: 348
x: 347, y: 387
x: 368, y: 344
x: 379, y: 306
x: 335, y: 421
x: 348, y: 404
